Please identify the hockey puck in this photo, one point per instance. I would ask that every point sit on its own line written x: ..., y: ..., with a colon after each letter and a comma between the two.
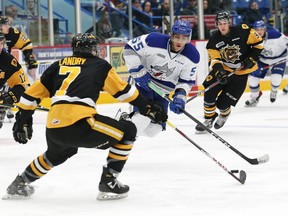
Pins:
x: 234, y: 171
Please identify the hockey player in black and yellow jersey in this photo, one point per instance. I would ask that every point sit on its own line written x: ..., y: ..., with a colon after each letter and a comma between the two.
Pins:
x: 74, y: 84
x: 18, y: 40
x: 13, y: 74
x: 231, y: 50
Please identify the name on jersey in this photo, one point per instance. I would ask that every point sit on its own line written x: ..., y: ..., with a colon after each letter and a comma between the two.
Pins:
x: 73, y: 61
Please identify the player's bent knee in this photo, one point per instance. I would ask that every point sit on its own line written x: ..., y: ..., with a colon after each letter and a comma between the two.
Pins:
x: 130, y: 131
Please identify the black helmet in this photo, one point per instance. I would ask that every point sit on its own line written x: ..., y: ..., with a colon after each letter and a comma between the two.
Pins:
x: 222, y: 16
x: 4, y: 20
x: 85, y: 43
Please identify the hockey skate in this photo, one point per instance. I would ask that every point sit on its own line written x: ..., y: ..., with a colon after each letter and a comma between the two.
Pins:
x: 285, y: 90
x: 110, y: 188
x: 10, y: 114
x: 19, y: 189
x: 220, y: 121
x: 208, y: 123
x: 273, y: 96
x: 2, y: 116
x: 253, y: 101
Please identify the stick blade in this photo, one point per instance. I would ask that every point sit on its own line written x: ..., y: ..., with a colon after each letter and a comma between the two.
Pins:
x: 242, y: 176
x: 263, y: 159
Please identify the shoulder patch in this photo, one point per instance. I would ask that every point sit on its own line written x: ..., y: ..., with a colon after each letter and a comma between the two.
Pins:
x: 158, y: 40
x: 191, y: 52
x: 273, y: 34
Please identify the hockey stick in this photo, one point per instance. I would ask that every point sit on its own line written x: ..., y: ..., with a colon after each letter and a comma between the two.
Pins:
x: 212, y: 85
x: 14, y: 106
x: 272, y: 65
x: 242, y: 175
x: 254, y: 161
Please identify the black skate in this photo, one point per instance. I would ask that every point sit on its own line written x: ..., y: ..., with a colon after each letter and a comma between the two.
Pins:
x: 208, y: 123
x: 110, y: 188
x: 19, y: 189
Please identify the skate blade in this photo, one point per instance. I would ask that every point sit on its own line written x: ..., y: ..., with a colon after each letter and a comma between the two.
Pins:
x: 14, y: 197
x: 103, y: 196
x: 201, y: 132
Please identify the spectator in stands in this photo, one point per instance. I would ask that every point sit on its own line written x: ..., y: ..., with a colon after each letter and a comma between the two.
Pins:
x: 117, y: 20
x: 209, y: 9
x: 163, y: 11
x: 252, y: 14
x: 137, y: 13
x: 154, y: 4
x: 191, y: 8
x: 11, y: 11
x: 30, y: 10
x: 195, y: 29
x: 225, y: 5
x: 146, y: 7
x: 104, y: 27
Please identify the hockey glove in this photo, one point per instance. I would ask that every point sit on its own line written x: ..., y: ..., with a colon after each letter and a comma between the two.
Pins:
x: 8, y: 98
x: 221, y: 76
x: 179, y: 100
x: 154, y: 111
x: 141, y: 77
x: 31, y: 62
x: 248, y: 63
x: 22, y: 128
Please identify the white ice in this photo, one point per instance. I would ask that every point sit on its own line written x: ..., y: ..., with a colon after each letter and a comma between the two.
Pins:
x: 167, y: 174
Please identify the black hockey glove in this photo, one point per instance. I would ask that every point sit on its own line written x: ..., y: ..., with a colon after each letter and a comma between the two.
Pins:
x: 8, y: 97
x: 22, y: 128
x: 31, y: 62
x: 221, y: 76
x: 154, y: 111
x: 248, y: 63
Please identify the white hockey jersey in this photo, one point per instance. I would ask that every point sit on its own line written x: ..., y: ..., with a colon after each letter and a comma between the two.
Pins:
x: 275, y: 47
x: 169, y: 70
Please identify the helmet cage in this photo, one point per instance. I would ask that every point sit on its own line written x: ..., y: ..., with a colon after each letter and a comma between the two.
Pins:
x: 222, y: 16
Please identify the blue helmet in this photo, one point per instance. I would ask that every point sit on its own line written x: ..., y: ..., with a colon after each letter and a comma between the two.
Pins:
x: 182, y: 27
x: 259, y: 24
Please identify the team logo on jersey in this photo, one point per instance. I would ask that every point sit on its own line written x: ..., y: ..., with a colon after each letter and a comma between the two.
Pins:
x: 159, y: 71
x: 230, y: 53
x: 267, y: 52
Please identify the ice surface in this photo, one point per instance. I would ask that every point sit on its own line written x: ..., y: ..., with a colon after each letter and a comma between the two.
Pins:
x: 167, y: 175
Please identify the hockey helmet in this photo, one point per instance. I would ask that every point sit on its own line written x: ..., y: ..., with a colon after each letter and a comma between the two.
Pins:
x: 182, y: 27
x: 223, y: 16
x: 3, y: 20
x: 85, y: 43
x: 259, y: 24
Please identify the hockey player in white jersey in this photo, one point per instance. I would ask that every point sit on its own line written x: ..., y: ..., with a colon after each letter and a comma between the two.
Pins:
x: 275, y: 50
x: 168, y: 61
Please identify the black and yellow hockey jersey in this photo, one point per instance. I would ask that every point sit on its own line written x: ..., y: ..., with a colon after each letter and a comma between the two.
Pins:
x: 12, y: 73
x: 230, y: 50
x: 74, y: 84
x: 17, y: 39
